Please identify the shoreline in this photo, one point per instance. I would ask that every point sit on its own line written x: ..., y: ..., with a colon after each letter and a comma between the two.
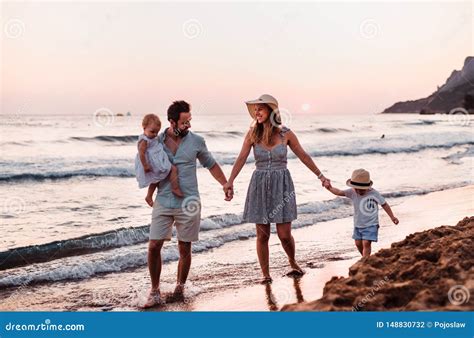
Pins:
x: 312, y: 284
x: 225, y: 278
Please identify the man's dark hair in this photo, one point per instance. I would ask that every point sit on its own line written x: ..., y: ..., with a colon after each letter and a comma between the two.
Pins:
x: 176, y: 108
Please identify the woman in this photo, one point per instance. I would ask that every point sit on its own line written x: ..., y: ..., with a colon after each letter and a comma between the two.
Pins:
x: 271, y: 193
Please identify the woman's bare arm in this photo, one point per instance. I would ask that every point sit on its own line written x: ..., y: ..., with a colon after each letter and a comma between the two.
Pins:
x: 304, y: 157
x: 241, y: 159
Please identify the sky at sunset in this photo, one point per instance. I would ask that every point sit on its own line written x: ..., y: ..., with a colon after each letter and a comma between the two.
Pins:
x: 315, y: 57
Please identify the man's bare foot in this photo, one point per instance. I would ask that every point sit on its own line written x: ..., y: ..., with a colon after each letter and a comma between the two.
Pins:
x: 154, y: 299
x: 177, y: 295
x: 177, y: 191
x: 149, y: 200
x: 266, y: 280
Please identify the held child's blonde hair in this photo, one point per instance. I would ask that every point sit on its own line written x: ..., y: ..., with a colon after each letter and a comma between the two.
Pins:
x: 151, y: 118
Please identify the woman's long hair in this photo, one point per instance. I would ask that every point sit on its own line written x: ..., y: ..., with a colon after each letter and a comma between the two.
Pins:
x: 263, y: 132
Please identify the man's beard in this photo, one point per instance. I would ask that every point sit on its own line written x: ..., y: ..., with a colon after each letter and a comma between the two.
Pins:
x: 180, y: 133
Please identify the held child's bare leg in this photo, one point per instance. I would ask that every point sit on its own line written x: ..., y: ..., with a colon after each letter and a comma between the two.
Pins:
x: 367, y: 248
x: 358, y: 243
x: 149, y: 196
x: 175, y: 189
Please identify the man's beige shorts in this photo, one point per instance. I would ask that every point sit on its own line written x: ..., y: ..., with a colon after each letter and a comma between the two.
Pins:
x: 187, y: 223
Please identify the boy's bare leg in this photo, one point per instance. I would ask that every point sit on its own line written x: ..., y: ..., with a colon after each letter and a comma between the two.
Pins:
x: 359, y: 246
x: 175, y: 189
x: 367, y: 248
x: 151, y: 191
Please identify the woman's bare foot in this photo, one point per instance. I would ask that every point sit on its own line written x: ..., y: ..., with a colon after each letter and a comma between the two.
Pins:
x: 154, y: 298
x: 177, y: 191
x: 149, y: 200
x: 296, y: 271
x: 266, y: 280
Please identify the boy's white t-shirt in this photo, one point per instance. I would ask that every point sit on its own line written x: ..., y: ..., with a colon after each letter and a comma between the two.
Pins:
x: 366, y: 207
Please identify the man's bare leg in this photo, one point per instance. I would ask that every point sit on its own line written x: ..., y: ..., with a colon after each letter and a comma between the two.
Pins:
x: 184, y: 265
x: 154, y: 267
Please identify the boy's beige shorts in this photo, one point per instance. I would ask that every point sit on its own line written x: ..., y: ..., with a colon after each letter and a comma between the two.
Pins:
x: 187, y: 223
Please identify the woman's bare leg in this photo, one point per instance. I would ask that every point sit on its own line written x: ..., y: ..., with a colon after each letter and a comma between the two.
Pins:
x: 263, y: 235
x: 288, y: 244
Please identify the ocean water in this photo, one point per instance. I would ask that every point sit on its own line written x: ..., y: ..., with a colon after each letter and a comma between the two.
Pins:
x: 71, y: 208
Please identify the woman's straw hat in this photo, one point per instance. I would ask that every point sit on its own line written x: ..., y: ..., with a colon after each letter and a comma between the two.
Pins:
x: 264, y: 99
x: 360, y: 179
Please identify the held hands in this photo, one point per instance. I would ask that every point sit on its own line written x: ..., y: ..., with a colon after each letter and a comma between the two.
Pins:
x: 228, y: 191
x: 325, y: 182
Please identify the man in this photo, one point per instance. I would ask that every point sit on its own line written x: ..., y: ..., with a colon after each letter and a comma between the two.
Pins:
x: 183, y: 148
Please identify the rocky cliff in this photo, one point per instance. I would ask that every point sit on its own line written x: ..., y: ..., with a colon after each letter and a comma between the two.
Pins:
x: 458, y: 91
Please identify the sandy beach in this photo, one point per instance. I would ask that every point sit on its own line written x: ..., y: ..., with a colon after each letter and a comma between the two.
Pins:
x: 224, y: 279
x: 415, y: 214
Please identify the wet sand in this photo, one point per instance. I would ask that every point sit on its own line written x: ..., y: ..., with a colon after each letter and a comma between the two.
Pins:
x: 225, y: 279
x: 415, y: 214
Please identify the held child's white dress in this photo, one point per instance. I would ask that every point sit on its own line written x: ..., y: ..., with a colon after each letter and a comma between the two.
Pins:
x: 157, y: 160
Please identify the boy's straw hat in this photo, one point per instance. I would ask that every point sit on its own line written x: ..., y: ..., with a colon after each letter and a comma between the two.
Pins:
x: 360, y: 179
x: 266, y: 99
